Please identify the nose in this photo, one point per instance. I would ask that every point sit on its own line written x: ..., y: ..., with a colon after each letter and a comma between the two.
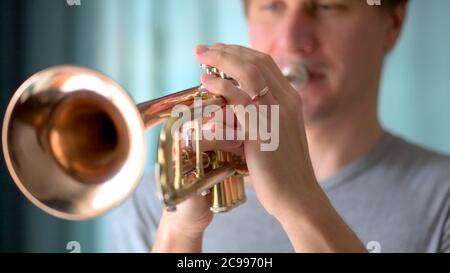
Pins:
x: 296, y: 34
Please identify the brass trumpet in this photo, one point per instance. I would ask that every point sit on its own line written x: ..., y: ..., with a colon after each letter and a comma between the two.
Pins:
x: 74, y: 144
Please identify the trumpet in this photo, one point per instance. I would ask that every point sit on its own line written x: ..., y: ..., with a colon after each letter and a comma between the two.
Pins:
x: 74, y: 144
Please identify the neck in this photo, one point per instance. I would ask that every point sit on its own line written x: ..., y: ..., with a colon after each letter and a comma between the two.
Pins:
x: 335, y: 143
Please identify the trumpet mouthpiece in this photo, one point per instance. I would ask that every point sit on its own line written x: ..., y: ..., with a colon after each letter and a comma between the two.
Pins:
x: 297, y: 75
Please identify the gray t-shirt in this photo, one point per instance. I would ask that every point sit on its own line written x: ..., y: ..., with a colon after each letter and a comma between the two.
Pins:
x: 396, y: 199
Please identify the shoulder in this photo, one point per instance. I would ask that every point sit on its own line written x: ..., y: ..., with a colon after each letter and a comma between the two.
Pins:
x: 419, y: 163
x: 417, y: 156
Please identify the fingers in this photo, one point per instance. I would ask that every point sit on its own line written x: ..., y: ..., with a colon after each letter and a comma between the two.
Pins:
x: 252, y: 69
x: 214, y: 136
x: 262, y: 60
x: 246, y: 73
x: 236, y: 96
x: 232, y: 94
x: 270, y: 69
x: 261, y: 81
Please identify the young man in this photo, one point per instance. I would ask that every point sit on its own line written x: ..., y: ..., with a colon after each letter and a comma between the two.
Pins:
x: 337, y: 182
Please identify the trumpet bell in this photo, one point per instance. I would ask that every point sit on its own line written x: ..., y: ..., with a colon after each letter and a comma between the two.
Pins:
x: 74, y: 144
x: 73, y: 141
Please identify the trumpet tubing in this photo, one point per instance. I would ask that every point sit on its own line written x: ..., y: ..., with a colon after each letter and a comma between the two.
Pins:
x: 74, y: 144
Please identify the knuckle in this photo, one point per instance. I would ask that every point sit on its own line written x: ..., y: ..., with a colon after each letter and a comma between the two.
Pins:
x: 262, y: 58
x: 266, y: 58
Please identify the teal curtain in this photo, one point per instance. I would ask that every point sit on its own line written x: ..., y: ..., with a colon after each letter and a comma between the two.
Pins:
x: 147, y: 47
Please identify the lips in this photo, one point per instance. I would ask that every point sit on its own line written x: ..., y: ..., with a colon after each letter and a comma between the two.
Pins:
x: 313, y: 76
x: 302, y: 73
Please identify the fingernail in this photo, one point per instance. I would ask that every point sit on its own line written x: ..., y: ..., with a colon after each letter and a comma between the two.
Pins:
x: 201, y: 49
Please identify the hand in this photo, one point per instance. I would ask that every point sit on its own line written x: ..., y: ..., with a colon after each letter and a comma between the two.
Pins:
x: 182, y: 230
x: 194, y: 214
x: 283, y: 179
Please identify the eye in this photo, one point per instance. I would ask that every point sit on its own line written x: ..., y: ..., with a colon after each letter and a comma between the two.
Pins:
x: 330, y: 6
x: 327, y: 7
x: 274, y: 6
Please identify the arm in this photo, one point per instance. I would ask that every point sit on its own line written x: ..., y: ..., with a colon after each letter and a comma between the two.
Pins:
x: 319, y: 228
x: 182, y: 230
x: 171, y: 238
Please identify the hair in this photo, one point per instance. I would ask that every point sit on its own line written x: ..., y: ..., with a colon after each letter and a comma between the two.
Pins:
x: 390, y: 5
x: 386, y: 5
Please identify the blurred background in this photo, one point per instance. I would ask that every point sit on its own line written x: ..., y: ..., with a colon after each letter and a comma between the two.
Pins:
x: 147, y: 47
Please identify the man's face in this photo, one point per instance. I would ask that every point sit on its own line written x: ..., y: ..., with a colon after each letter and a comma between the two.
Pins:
x: 341, y: 42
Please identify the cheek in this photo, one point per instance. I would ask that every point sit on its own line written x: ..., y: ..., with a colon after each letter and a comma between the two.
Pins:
x: 260, y: 38
x: 355, y: 55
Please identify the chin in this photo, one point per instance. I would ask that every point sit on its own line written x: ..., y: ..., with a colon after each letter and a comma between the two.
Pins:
x: 316, y: 109
x: 309, y: 115
x: 312, y: 100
